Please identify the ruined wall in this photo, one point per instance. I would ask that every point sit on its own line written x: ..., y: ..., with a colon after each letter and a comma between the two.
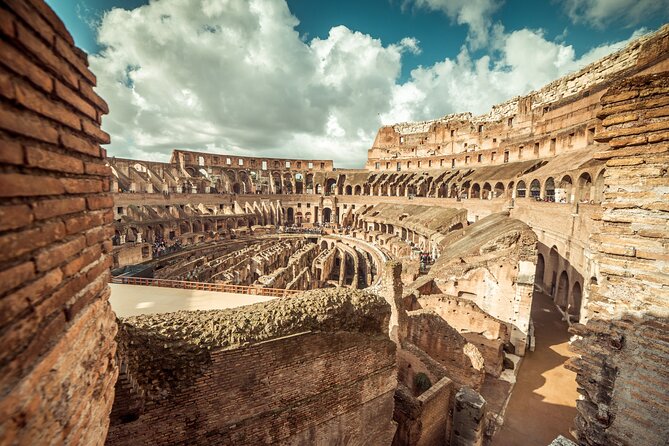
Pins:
x: 622, y: 371
x: 57, y: 365
x: 320, y: 372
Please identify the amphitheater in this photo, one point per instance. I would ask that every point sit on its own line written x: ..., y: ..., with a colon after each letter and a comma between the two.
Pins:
x: 498, y: 279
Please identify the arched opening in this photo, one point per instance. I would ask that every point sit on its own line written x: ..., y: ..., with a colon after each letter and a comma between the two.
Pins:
x: 553, y: 263
x: 562, y: 294
x: 476, y: 191
x: 535, y: 189
x: 487, y: 191
x: 575, y: 304
x: 299, y: 183
x: 330, y: 186
x: 327, y: 215
x: 318, y: 189
x: 357, y: 190
x: 290, y: 216
x: 584, y: 188
x: 563, y: 193
x: 236, y: 188
x: 521, y: 189
x: 348, y: 190
x: 541, y: 268
x: 549, y: 189
x: 598, y: 193
x: 197, y: 227
x: 499, y: 190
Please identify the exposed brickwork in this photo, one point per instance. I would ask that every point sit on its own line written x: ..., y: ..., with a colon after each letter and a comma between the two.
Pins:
x: 246, y: 376
x: 57, y: 367
x: 623, y: 371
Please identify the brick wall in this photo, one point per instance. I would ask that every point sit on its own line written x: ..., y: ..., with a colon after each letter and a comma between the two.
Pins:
x: 57, y: 366
x: 622, y: 371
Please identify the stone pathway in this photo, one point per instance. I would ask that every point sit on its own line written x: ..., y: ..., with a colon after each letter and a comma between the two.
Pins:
x: 543, y: 402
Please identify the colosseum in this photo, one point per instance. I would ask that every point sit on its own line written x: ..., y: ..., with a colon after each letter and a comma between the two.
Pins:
x: 498, y: 279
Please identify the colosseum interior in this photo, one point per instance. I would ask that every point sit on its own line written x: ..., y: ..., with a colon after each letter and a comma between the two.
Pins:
x: 219, y: 299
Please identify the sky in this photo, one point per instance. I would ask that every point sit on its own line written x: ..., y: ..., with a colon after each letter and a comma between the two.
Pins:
x: 317, y: 78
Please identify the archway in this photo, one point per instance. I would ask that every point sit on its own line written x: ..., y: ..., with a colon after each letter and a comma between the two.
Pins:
x: 330, y: 186
x: 549, y: 189
x: 290, y: 216
x: 348, y: 190
x: 521, y: 189
x: 541, y: 269
x: 563, y: 193
x: 562, y: 294
x: 487, y: 191
x: 499, y: 190
x: 584, y: 188
x: 553, y: 263
x: 327, y: 215
x: 476, y: 191
x: 598, y: 194
x: 575, y: 304
x: 357, y: 190
x: 535, y: 189
x: 236, y: 188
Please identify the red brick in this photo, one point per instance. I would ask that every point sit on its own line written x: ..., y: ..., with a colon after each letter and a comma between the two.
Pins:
x: 78, y: 223
x: 38, y: 102
x: 27, y: 124
x: 81, y: 186
x: 53, y: 19
x: 49, y: 160
x: 90, y: 293
x: 46, y: 55
x: 7, y: 25
x: 7, y: 85
x: 19, y: 185
x: 15, y: 244
x: 72, y: 98
x: 15, y: 276
x: 56, y: 301
x: 20, y: 64
x: 65, y: 50
x: 96, y: 235
x: 99, y: 268
x: 36, y: 22
x: 12, y: 217
x: 93, y: 129
x: 97, y: 169
x: 29, y: 295
x: 55, y: 255
x: 87, y: 256
x: 100, y: 202
x: 74, y: 142
x: 87, y: 90
x: 11, y: 152
x: 62, y: 206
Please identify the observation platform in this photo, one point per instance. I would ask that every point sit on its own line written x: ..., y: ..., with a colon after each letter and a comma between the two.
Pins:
x: 132, y: 300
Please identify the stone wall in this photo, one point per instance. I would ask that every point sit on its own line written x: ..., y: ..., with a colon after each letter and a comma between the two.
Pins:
x: 57, y: 365
x: 317, y: 368
x: 622, y: 371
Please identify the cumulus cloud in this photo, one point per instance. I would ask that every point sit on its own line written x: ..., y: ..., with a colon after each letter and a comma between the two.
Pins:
x: 467, y: 84
x: 476, y: 14
x: 236, y: 77
x: 601, y: 12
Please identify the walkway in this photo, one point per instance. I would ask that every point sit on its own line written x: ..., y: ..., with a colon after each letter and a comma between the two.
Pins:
x: 132, y: 300
x: 543, y: 402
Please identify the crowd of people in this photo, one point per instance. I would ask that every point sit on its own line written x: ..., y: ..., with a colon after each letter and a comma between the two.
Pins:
x: 161, y: 248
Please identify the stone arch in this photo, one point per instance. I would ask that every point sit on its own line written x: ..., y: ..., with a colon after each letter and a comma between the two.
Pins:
x: 498, y: 191
x: 563, y: 193
x: 535, y: 189
x: 553, y: 263
x: 562, y: 292
x: 549, y: 189
x: 541, y: 269
x: 348, y: 190
x: 521, y: 189
x: 327, y: 215
x: 330, y: 186
x: 599, y: 186
x: 575, y: 301
x: 357, y: 190
x: 475, y: 191
x: 236, y: 188
x: 487, y: 191
x: 197, y: 226
x: 584, y: 187
x: 290, y: 216
x: 319, y: 189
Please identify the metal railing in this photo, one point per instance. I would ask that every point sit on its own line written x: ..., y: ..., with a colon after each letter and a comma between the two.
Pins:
x: 204, y: 286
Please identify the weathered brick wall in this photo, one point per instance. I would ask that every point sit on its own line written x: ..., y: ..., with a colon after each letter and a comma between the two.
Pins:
x: 622, y: 371
x: 317, y: 368
x: 57, y: 367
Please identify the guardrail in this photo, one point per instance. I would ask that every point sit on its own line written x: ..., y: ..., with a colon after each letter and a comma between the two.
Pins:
x: 204, y: 286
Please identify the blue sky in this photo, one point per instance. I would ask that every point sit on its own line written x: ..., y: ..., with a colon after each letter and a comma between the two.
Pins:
x: 303, y: 77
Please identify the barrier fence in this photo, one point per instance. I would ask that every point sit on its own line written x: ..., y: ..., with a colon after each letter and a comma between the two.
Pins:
x: 204, y: 286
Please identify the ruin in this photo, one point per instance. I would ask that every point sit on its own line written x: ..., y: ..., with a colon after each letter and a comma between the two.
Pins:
x: 399, y: 297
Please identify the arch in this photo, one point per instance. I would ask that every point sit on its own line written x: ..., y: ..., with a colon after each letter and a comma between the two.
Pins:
x: 357, y: 190
x: 309, y: 183
x: 327, y: 215
x: 549, y: 189
x: 584, y: 187
x: 290, y: 216
x: 541, y: 269
x: 521, y: 189
x: 499, y: 190
x: 487, y: 191
x: 324, y: 245
x: 236, y: 188
x: 197, y: 226
x: 562, y: 292
x: 575, y: 303
x: 348, y: 190
x: 330, y: 185
x: 318, y: 189
x: 475, y: 191
x: 553, y: 263
x: 535, y: 189
x: 563, y: 193
x: 599, y: 186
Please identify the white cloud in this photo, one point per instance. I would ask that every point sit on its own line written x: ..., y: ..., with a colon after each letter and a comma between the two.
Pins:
x: 476, y: 14
x: 234, y: 76
x: 466, y: 84
x: 602, y: 12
